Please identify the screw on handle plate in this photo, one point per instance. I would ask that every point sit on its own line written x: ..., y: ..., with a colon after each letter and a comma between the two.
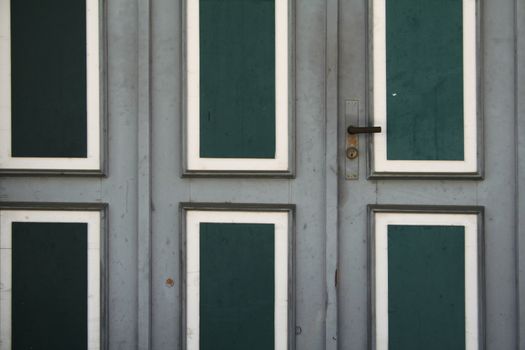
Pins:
x: 363, y: 129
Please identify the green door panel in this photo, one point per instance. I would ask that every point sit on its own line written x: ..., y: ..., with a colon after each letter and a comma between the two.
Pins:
x: 424, y: 50
x: 237, y: 286
x: 426, y: 287
x: 49, y: 286
x: 48, y: 78
x: 237, y: 78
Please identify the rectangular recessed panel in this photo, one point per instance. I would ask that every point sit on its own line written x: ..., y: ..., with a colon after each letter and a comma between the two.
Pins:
x: 48, y: 78
x: 49, y: 286
x: 237, y: 78
x: 424, y: 67
x: 426, y: 287
x: 237, y: 286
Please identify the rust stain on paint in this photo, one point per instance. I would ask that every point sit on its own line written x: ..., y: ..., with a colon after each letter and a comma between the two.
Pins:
x: 170, y: 282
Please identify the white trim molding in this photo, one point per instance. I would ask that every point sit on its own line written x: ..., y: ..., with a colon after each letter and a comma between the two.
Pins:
x: 194, y: 163
x: 470, y: 164
x: 93, y: 160
x: 379, y: 274
x: 93, y: 220
x: 281, y: 221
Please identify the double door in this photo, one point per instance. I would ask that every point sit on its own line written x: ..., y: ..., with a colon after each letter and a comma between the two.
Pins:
x: 224, y: 202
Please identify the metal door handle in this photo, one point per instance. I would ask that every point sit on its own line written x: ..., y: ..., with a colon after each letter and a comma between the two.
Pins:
x: 363, y: 129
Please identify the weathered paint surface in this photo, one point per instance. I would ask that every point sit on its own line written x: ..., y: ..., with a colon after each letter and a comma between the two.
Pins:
x: 120, y: 191
x: 496, y: 192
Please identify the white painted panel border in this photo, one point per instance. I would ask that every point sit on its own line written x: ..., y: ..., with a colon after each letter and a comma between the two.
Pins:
x: 281, y: 161
x: 380, y: 263
x: 93, y: 220
x: 92, y: 161
x: 193, y: 220
x: 470, y: 106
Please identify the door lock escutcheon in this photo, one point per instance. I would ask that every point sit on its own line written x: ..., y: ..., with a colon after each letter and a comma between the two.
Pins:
x: 350, y: 135
x: 352, y: 151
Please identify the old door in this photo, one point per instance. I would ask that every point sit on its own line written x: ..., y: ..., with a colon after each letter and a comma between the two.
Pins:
x: 180, y: 175
x: 427, y: 215
x: 168, y: 151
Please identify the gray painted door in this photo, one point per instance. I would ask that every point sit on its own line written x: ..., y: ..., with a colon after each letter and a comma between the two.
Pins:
x: 495, y: 193
x: 168, y: 189
x: 143, y: 187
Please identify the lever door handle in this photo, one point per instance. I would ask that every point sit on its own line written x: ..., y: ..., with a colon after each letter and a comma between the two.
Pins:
x: 363, y: 129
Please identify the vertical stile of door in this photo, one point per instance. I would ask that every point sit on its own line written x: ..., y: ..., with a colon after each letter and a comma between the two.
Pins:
x: 332, y: 180
x: 520, y: 173
x: 144, y: 177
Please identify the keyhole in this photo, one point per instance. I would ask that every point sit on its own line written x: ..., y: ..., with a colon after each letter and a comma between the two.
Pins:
x: 352, y: 153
